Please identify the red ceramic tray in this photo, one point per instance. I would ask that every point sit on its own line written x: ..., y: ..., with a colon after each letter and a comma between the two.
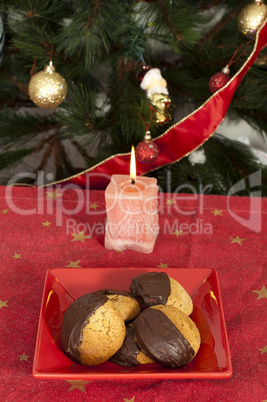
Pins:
x: 63, y: 286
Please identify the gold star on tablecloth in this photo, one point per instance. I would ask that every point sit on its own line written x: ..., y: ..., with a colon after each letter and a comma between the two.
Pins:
x: 77, y: 384
x: 3, y: 304
x: 94, y: 206
x: 264, y: 350
x: 16, y: 256
x: 23, y: 357
x: 129, y: 400
x: 46, y: 223
x: 5, y: 211
x: 170, y: 201
x: 237, y: 240
x: 73, y: 264
x: 79, y: 237
x: 262, y: 293
x: 178, y: 233
x: 217, y: 212
x: 53, y: 194
x: 161, y: 265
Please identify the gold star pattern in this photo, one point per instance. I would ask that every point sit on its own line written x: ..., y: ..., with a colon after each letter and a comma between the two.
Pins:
x: 129, y: 400
x: 3, y: 304
x: 262, y: 293
x: 16, y: 256
x: 161, y: 265
x: 46, y: 223
x: 79, y: 237
x: 94, y: 206
x: 170, y: 201
x: 264, y: 350
x: 73, y: 264
x: 5, y: 211
x: 237, y: 240
x: 53, y: 194
x: 77, y: 384
x: 23, y: 357
x: 217, y: 212
x: 178, y: 233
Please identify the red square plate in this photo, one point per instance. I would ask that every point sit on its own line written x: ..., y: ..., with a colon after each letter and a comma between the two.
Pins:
x: 63, y: 286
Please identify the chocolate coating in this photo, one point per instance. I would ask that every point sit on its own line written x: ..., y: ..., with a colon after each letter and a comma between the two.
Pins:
x: 75, y: 319
x: 161, y: 339
x: 127, y: 355
x: 151, y: 288
x: 117, y: 292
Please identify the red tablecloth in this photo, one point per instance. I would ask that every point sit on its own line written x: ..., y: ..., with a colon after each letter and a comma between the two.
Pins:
x: 42, y: 229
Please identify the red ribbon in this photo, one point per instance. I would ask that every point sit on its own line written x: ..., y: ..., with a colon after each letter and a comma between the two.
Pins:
x: 182, y: 138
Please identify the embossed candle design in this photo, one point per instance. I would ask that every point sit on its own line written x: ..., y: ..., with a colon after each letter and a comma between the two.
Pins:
x: 132, y: 212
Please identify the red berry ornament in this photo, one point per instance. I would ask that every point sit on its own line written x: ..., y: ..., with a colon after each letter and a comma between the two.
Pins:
x: 147, y: 151
x: 218, y: 80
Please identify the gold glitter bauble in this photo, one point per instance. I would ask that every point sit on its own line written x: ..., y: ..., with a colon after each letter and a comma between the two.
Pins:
x: 251, y: 18
x: 47, y: 89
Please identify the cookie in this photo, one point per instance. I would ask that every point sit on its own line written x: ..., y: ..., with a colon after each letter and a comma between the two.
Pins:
x: 125, y: 302
x: 154, y: 288
x: 93, y: 329
x: 167, y: 335
x: 130, y: 354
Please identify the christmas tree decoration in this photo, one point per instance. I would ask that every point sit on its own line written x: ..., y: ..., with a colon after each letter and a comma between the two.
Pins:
x: 47, y: 89
x: 251, y: 18
x: 100, y: 47
x: 156, y: 90
x: 147, y: 151
x: 143, y: 73
x: 2, y: 39
x: 184, y: 137
x: 219, y: 80
x: 197, y: 156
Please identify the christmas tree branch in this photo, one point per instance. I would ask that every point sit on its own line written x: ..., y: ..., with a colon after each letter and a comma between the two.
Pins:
x: 46, y: 155
x: 63, y: 163
x: 91, y: 19
x: 44, y: 141
x: 56, y: 151
x: 81, y: 151
x: 17, y: 83
x: 165, y: 12
x: 209, y: 36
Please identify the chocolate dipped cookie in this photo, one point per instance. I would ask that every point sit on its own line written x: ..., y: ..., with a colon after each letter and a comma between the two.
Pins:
x: 130, y: 354
x: 153, y: 288
x: 125, y: 302
x: 167, y: 335
x: 93, y: 329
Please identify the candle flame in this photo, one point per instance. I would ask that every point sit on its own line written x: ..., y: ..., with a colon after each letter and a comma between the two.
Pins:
x: 133, y: 165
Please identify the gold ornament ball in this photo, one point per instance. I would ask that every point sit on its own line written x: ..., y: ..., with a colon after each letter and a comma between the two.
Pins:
x: 251, y: 18
x: 47, y: 89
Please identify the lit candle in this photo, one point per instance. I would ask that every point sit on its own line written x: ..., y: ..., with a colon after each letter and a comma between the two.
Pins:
x: 132, y: 217
x: 132, y: 186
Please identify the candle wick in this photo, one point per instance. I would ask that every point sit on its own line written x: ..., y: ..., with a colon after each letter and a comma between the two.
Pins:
x: 133, y: 182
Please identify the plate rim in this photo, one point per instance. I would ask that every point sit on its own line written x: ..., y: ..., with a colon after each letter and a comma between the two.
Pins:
x: 220, y: 374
